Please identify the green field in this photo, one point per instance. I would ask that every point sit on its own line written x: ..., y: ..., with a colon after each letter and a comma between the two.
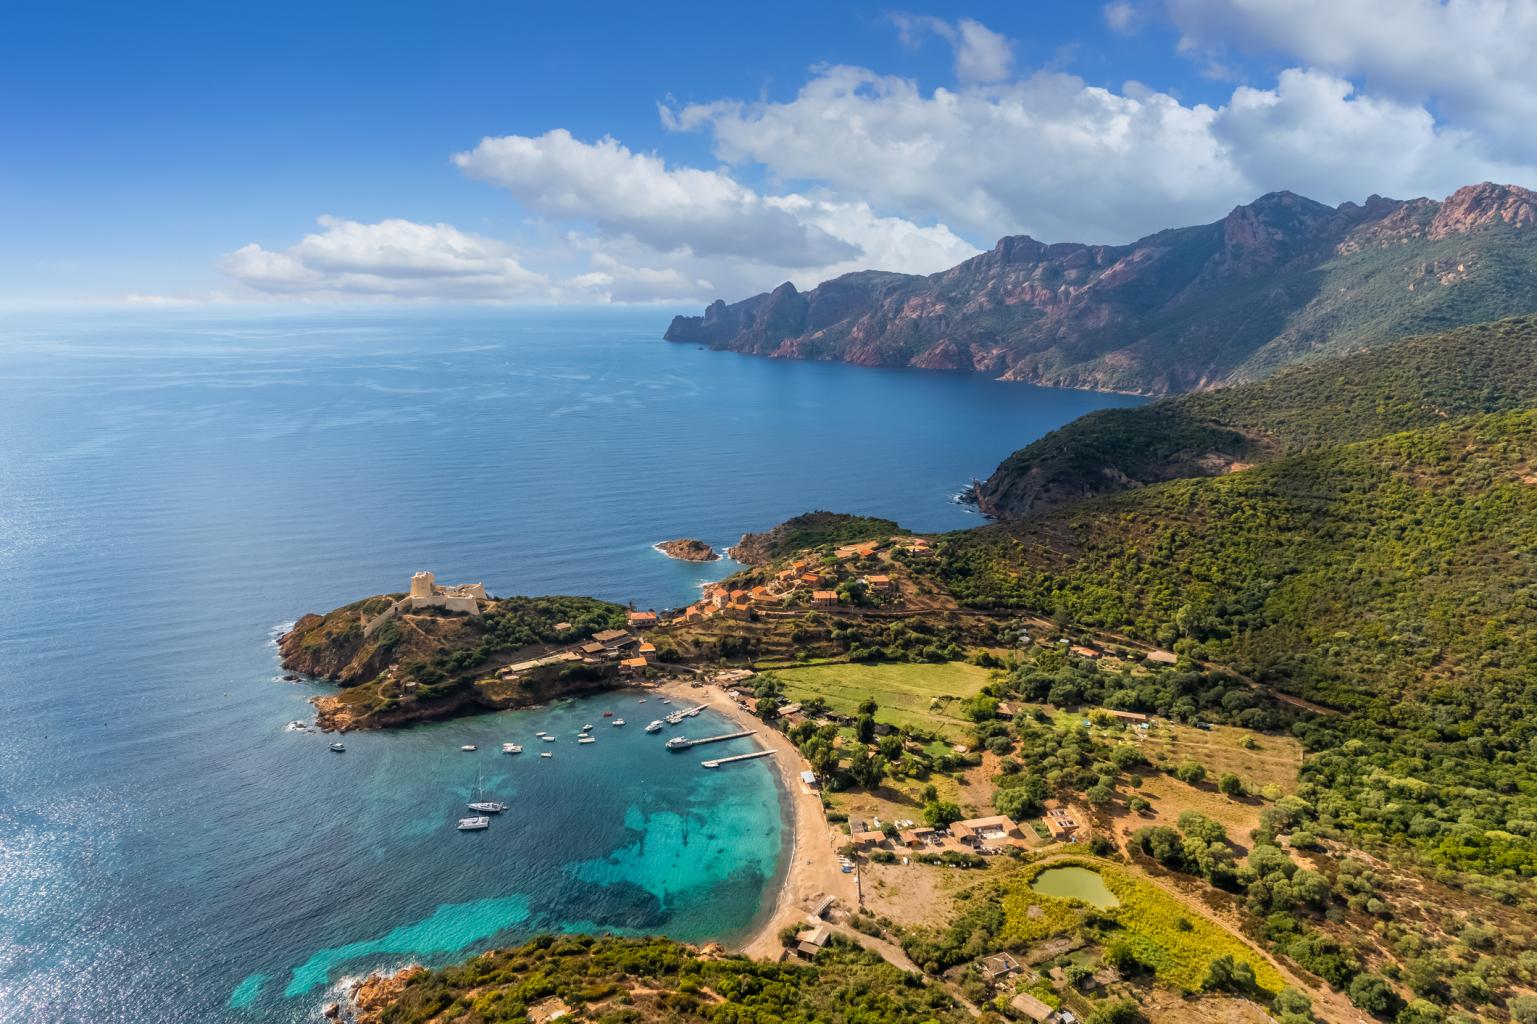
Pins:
x: 905, y: 692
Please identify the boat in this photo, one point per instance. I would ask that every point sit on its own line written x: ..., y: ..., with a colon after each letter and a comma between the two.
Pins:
x: 666, y: 701
x: 468, y: 748
x: 587, y: 739
x: 511, y: 748
x: 655, y: 726
x: 608, y: 714
x: 641, y: 701
x: 541, y: 732
x: 587, y: 727
x: 679, y: 743
x: 617, y: 722
x: 548, y: 738
x: 338, y: 748
x: 474, y: 824
x: 546, y: 754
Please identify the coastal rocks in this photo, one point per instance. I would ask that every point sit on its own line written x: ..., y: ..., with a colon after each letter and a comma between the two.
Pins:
x: 688, y: 550
x: 377, y: 992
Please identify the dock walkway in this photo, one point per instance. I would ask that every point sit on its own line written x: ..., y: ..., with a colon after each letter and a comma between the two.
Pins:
x: 683, y: 742
x: 739, y: 757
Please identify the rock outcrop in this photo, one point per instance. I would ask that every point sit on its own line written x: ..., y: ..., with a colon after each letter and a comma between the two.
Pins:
x: 1280, y: 280
x: 688, y: 550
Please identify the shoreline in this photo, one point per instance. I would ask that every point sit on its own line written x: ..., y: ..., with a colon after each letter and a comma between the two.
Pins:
x: 813, y: 868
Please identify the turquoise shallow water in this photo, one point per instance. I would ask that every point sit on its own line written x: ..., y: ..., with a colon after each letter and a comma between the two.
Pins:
x: 175, y: 488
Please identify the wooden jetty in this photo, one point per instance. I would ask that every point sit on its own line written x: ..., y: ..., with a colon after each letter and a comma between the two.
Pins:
x: 739, y: 757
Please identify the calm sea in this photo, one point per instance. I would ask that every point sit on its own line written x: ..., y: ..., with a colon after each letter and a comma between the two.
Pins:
x: 176, y: 487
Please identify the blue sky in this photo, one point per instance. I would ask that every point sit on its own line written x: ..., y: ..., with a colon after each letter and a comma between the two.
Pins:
x: 621, y: 152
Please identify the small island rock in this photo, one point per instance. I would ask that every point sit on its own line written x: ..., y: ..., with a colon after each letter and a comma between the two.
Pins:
x: 688, y: 550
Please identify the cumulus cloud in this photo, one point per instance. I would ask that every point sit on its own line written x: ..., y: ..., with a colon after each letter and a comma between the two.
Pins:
x: 981, y: 55
x: 390, y: 259
x: 1475, y: 59
x: 1055, y: 157
x: 636, y: 194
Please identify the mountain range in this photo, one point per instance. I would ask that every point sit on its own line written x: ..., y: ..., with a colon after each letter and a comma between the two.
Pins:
x: 1281, y: 280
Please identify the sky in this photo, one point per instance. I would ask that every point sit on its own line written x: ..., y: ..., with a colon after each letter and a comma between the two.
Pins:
x: 500, y: 151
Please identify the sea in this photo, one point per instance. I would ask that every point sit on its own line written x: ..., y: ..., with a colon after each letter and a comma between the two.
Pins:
x: 177, y: 486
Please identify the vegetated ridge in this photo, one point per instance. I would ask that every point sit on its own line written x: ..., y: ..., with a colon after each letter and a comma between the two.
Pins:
x: 1411, y: 383
x: 1281, y: 280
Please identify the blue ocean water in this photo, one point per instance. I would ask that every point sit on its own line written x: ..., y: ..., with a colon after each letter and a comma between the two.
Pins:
x: 176, y: 487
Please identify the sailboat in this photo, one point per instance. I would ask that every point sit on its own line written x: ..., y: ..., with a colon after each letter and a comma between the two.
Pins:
x: 482, y: 805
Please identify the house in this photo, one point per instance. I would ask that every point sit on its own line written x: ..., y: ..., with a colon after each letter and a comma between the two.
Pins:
x: 786, y: 576
x: 1031, y: 1007
x: 646, y: 650
x: 1060, y: 823
x: 1005, y: 710
x: 810, y: 942
x: 616, y: 639
x: 999, y: 966
x: 879, y: 584
x: 917, y: 545
x: 633, y: 666
x: 1084, y: 652
x: 824, y: 598
x: 863, y: 550
x: 1163, y: 657
x: 1128, y: 716
x: 739, y: 610
x: 549, y: 1009
x: 977, y: 831
x: 809, y: 777
x: 918, y: 836
x: 760, y: 595
x: 593, y: 649
x: 812, y: 579
x: 789, y: 709
x: 862, y: 840
x: 640, y: 620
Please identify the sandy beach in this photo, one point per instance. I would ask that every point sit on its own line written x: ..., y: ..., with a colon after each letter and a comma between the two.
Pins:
x: 814, y: 870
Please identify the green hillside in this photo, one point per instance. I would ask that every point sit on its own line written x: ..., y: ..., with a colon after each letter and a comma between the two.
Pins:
x: 1394, y: 579
x: 1412, y: 383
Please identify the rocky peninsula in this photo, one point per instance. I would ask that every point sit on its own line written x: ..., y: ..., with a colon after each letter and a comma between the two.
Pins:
x: 688, y: 550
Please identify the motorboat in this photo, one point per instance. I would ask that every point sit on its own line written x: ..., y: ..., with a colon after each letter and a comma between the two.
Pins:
x: 512, y: 748
x: 617, y: 722
x: 608, y: 714
x: 655, y: 726
x: 474, y: 824
x: 587, y: 739
x: 548, y: 738
x: 338, y: 748
x: 468, y: 748
x: 679, y: 743
x: 546, y: 754
x: 587, y: 727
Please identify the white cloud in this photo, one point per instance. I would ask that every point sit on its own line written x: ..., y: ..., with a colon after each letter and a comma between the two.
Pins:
x: 1055, y: 157
x: 1123, y: 16
x: 1474, y: 60
x: 981, y: 55
x: 391, y: 259
x: 636, y: 194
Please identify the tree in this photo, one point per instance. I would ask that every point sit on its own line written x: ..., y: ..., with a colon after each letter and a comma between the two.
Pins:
x: 1523, y: 1009
x: 867, y: 770
x: 1230, y: 785
x: 868, y: 706
x: 768, y: 707
x: 1119, y: 1011
x: 864, y: 728
x: 1189, y: 771
x: 940, y: 814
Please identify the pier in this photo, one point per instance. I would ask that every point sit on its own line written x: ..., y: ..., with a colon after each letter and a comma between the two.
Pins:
x: 739, y: 757
x: 683, y: 742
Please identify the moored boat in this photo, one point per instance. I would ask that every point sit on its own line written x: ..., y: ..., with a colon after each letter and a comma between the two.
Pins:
x: 474, y: 824
x: 468, y: 748
x: 617, y: 722
x: 655, y: 726
x: 512, y: 748
x: 338, y: 748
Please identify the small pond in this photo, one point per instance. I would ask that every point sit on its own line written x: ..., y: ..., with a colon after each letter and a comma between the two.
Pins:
x: 1075, y: 883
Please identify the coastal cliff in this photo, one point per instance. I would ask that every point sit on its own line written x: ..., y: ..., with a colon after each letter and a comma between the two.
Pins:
x: 1281, y: 280
x: 393, y: 667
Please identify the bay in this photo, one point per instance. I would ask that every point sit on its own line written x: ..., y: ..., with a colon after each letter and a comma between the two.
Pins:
x: 175, y: 487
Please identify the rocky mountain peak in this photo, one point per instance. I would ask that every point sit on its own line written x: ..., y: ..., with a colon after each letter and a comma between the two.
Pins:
x: 1476, y: 206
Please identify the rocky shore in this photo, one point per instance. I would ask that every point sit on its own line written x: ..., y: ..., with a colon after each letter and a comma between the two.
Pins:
x: 688, y: 550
